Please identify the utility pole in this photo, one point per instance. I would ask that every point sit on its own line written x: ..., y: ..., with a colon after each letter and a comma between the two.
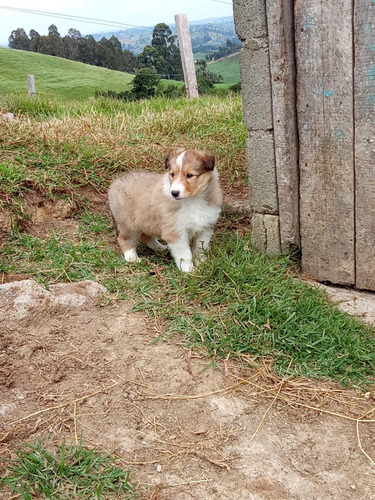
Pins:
x: 186, y: 51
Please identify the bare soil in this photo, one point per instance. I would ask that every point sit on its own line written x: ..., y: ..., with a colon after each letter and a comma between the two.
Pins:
x: 185, y: 429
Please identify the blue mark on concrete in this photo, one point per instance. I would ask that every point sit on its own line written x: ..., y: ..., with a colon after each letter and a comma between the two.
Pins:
x: 339, y: 135
x: 308, y: 25
x: 371, y: 73
x: 328, y: 93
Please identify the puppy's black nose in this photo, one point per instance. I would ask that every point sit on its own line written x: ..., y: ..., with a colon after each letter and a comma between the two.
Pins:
x: 175, y: 194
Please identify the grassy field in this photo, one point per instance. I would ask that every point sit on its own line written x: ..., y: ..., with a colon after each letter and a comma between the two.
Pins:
x: 228, y: 67
x: 55, y: 76
x: 239, y: 303
x: 250, y: 303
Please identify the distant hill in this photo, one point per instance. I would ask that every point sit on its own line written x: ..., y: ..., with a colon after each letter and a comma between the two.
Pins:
x: 57, y: 76
x: 228, y: 67
x: 206, y: 35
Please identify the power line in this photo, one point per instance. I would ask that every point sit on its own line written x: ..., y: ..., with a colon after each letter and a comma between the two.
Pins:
x: 73, y: 18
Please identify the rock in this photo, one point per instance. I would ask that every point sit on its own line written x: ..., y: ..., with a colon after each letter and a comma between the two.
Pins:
x: 21, y: 299
x: 7, y: 116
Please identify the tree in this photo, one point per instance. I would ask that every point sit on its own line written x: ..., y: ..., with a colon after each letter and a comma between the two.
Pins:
x: 70, y: 48
x: 52, y: 30
x: 163, y: 55
x: 145, y: 82
x: 148, y: 58
x: 73, y: 33
x: 130, y: 61
x: 204, y: 73
x: 33, y: 34
x: 19, y: 40
x: 87, y: 49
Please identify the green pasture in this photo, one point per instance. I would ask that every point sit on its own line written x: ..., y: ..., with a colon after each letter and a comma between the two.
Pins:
x: 55, y: 76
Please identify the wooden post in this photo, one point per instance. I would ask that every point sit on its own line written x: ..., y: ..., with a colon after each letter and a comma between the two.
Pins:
x: 186, y: 51
x: 31, y: 85
x: 364, y: 143
x: 324, y: 54
x: 280, y: 23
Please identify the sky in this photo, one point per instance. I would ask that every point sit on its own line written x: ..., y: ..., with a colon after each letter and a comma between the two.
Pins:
x: 133, y: 12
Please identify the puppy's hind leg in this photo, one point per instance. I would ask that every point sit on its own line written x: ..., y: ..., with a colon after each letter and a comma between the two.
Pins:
x: 153, y: 243
x: 128, y: 245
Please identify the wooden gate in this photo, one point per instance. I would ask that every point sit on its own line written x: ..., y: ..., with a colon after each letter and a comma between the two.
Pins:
x: 308, y: 90
x: 335, y: 77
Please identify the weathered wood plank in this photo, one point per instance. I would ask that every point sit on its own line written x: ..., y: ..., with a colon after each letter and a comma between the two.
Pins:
x: 188, y: 66
x: 280, y: 23
x: 364, y: 95
x: 325, y: 122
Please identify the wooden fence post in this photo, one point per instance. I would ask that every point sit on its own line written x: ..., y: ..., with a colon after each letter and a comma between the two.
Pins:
x: 324, y: 53
x: 188, y: 66
x: 364, y: 106
x: 31, y: 85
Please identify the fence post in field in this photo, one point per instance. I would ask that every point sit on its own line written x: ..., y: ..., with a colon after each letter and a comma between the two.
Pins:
x: 31, y: 85
x: 188, y: 66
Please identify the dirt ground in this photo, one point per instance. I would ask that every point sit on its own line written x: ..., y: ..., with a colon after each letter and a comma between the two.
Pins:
x: 185, y: 429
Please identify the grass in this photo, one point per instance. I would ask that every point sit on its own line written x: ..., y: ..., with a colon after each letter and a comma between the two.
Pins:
x: 71, y: 472
x: 57, y: 146
x: 229, y: 68
x: 240, y: 301
x: 56, y: 77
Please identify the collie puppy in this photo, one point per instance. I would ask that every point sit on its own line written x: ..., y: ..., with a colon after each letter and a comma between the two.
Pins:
x: 181, y: 207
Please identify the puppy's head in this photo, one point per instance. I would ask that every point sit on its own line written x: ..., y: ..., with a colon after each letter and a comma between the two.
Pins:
x: 189, y: 172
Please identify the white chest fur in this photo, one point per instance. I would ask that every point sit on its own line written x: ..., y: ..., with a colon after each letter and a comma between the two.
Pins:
x: 195, y: 215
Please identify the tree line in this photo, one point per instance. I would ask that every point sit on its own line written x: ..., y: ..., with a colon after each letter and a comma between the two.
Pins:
x: 161, y: 57
x: 224, y: 51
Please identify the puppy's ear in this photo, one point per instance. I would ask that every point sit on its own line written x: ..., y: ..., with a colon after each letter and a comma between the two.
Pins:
x: 167, y: 161
x: 208, y: 161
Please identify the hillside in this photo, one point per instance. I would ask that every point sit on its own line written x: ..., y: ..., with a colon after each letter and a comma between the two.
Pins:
x: 206, y: 35
x: 56, y: 76
x: 228, y: 67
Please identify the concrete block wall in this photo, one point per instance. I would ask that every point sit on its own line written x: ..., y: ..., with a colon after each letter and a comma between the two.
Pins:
x: 251, y: 26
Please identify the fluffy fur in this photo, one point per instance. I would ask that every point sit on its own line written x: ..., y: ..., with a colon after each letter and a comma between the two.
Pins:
x: 181, y: 207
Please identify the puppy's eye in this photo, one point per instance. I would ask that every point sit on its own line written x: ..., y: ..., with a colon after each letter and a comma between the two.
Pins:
x: 189, y: 176
x: 171, y: 174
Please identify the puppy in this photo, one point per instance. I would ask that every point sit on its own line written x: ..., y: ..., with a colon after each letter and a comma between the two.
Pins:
x: 181, y: 207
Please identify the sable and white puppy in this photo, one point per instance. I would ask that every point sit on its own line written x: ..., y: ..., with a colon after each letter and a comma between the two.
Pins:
x: 181, y: 207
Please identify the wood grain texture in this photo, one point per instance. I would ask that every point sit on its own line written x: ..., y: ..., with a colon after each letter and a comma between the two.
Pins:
x: 280, y: 23
x: 325, y: 120
x: 186, y: 51
x: 364, y: 105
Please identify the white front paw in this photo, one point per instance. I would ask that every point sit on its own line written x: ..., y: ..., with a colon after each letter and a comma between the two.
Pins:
x: 131, y: 255
x: 186, y: 266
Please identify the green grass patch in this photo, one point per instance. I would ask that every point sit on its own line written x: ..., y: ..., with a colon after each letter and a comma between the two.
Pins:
x: 70, y: 472
x: 55, y: 147
x: 228, y: 68
x: 238, y: 301
x: 55, y: 76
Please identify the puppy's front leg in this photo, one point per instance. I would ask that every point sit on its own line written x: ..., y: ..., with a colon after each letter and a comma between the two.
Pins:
x: 202, y: 244
x: 182, y: 255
